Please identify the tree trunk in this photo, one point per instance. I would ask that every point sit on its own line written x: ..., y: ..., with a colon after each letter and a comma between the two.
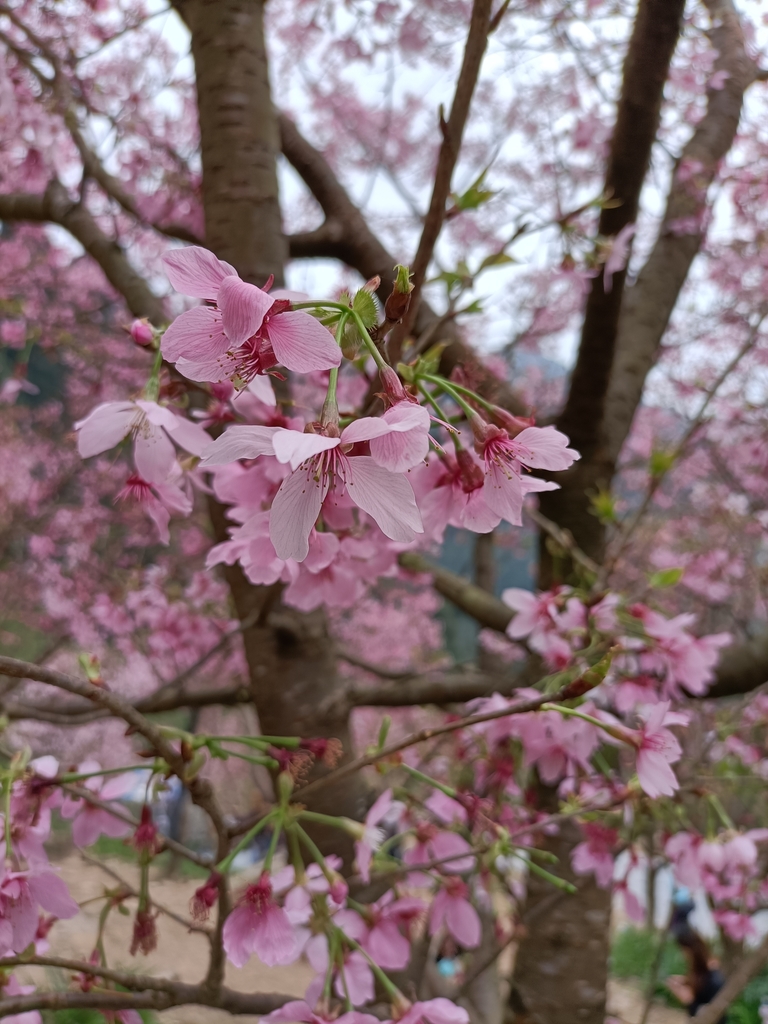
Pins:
x: 290, y: 654
x: 561, y: 969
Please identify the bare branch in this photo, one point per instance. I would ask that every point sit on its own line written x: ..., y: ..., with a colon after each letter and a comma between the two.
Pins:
x: 648, y: 305
x: 453, y: 133
x: 353, y: 242
x: 199, y: 789
x: 479, y: 604
x: 573, y: 689
x: 55, y: 206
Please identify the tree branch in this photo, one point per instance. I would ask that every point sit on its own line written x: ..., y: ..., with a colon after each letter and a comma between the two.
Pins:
x: 199, y: 789
x: 55, y: 206
x: 352, y: 241
x: 477, y: 603
x: 649, y: 304
x: 453, y: 133
x: 653, y: 41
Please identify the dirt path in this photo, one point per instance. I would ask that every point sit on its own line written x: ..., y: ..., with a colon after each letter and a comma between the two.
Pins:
x: 182, y: 955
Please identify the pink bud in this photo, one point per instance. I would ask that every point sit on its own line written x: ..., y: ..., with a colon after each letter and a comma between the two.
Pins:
x: 392, y: 385
x: 142, y: 333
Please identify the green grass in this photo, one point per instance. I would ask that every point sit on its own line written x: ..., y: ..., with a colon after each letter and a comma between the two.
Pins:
x: 88, y: 1017
x: 632, y: 956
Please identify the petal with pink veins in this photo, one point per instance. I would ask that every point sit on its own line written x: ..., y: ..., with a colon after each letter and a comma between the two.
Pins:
x: 504, y: 494
x: 295, y: 509
x: 295, y: 447
x: 196, y: 334
x: 154, y: 455
x: 301, y: 343
x: 243, y: 308
x: 547, y: 448
x: 364, y: 429
x: 239, y: 442
x: 386, y: 497
x: 104, y: 427
x: 196, y: 271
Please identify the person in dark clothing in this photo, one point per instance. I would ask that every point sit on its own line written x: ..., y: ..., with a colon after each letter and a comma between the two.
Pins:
x: 704, y: 978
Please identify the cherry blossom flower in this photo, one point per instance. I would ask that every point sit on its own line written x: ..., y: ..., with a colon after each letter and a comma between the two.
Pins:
x: 434, y: 844
x: 372, y: 834
x: 658, y: 749
x: 435, y: 1011
x: 152, y: 426
x: 505, y: 457
x: 323, y: 464
x: 452, y: 909
x: 258, y: 925
x: 298, y: 1010
x: 688, y: 662
x: 90, y: 821
x: 21, y: 892
x: 595, y: 854
x: 385, y: 942
x: 407, y: 442
x: 158, y: 500
x: 12, y: 987
x: 247, y: 333
x: 353, y: 977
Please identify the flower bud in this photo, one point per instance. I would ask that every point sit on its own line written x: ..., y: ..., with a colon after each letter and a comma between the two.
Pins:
x: 393, y: 386
x: 399, y: 299
x: 470, y: 473
x: 205, y: 897
x: 142, y: 333
x: 512, y: 424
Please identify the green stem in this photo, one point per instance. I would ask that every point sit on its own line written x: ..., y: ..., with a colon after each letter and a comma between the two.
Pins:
x: 574, y: 713
x: 315, y: 852
x: 224, y: 865
x: 266, y: 762
x: 273, y: 846
x: 323, y: 819
x: 79, y: 776
x: 416, y: 774
x: 330, y: 413
x: 482, y: 402
x: 449, y: 389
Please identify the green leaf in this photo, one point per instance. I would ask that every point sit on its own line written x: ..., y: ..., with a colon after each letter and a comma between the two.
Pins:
x: 475, y: 195
x: 430, y: 361
x: 661, y: 462
x: 665, y: 578
x: 603, y: 505
x: 496, y: 259
x: 364, y: 305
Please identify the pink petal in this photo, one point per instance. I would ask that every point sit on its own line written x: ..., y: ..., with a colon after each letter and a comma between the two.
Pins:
x: 504, y: 494
x: 408, y: 443
x: 289, y: 1013
x: 243, y: 308
x: 295, y: 509
x: 386, y: 497
x: 364, y: 429
x: 476, y: 515
x: 463, y: 922
x: 196, y: 271
x: 52, y: 894
x: 379, y: 808
x: 388, y: 947
x: 237, y: 935
x: 359, y: 980
x: 445, y: 844
x: 261, y: 387
x: 534, y: 484
x: 301, y: 343
x: 196, y: 334
x: 548, y: 448
x: 274, y: 940
x: 239, y: 443
x: 655, y: 774
x: 295, y: 447
x: 154, y: 455
x: 188, y: 435
x: 104, y: 427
